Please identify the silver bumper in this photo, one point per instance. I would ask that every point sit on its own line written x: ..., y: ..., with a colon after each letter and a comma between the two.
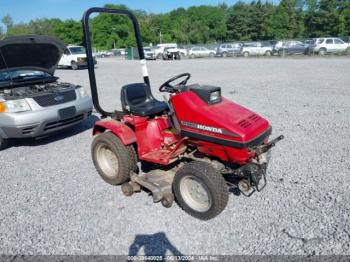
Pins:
x: 45, y: 120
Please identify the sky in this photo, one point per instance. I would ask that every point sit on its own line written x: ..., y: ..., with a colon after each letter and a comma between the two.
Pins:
x: 25, y: 10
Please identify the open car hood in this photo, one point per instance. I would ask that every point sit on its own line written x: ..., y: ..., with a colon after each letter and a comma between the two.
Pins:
x: 34, y: 51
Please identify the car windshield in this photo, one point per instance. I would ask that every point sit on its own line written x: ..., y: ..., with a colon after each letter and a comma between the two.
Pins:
x: 147, y: 49
x: 77, y: 50
x: 22, y: 75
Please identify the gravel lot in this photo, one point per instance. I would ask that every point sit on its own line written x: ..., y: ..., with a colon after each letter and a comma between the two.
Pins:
x: 53, y: 201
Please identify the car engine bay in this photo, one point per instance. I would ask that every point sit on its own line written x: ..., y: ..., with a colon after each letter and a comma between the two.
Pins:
x: 33, y: 90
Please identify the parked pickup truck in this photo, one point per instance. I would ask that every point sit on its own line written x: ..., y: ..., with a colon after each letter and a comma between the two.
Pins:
x: 74, y: 57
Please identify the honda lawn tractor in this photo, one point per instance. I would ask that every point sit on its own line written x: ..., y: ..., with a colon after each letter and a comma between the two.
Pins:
x: 198, y: 146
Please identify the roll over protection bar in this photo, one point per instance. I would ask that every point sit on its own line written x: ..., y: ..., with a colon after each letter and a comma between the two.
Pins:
x: 90, y: 60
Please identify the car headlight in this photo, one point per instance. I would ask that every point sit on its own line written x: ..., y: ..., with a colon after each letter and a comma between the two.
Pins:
x: 215, y: 96
x: 14, y: 106
x: 82, y: 92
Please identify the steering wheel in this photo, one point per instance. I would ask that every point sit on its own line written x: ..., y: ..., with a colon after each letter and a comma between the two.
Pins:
x: 167, y: 87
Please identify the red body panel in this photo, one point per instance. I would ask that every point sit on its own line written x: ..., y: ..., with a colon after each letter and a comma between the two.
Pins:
x: 155, y: 140
x: 125, y: 133
x: 236, y: 123
x: 158, y: 142
x: 233, y: 118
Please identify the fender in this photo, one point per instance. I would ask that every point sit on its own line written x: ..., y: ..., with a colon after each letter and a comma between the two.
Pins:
x: 125, y: 133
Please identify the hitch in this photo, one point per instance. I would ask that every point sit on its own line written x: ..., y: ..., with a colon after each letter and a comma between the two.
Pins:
x: 251, y: 183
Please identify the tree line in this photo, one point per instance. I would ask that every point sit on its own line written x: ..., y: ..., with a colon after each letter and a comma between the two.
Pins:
x: 242, y: 21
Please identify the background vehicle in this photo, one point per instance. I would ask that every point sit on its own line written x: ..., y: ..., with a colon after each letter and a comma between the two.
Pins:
x: 225, y: 50
x: 329, y: 45
x: 256, y: 49
x: 293, y: 48
x: 32, y: 101
x: 149, y: 53
x: 194, y: 139
x: 171, y: 53
x: 74, y: 57
x: 103, y: 54
x: 200, y: 51
x: 277, y: 46
x: 159, y: 50
x: 183, y: 51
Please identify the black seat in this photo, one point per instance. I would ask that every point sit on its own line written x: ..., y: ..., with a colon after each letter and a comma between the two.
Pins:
x: 138, y: 100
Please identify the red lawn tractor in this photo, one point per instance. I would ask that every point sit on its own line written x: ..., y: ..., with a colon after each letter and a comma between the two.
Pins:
x: 198, y: 146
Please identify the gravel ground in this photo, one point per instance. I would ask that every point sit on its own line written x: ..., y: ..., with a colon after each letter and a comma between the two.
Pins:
x: 53, y: 201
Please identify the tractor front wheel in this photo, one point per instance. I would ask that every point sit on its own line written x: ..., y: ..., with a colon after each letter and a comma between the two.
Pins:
x: 200, y: 190
x: 113, y: 160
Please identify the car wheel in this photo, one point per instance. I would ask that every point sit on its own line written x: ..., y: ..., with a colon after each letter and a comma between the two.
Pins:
x: 347, y: 51
x: 200, y: 190
x: 246, y: 54
x: 113, y: 160
x: 159, y: 56
x: 74, y: 65
x: 211, y: 55
x: 3, y: 143
x: 322, y: 51
x: 268, y: 53
x: 224, y: 54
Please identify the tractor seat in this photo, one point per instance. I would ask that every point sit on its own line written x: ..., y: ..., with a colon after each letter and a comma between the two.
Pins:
x: 138, y: 100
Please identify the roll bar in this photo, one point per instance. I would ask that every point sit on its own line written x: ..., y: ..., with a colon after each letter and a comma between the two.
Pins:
x: 90, y: 60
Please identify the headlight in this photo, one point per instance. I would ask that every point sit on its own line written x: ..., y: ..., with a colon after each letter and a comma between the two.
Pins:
x: 215, y: 96
x: 14, y: 106
x: 82, y: 92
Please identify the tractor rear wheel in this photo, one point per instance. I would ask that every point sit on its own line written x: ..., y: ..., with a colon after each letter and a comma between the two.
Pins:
x: 113, y: 160
x: 200, y: 190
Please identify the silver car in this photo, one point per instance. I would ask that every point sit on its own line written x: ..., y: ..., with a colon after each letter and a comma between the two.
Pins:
x: 256, y: 49
x: 33, y: 102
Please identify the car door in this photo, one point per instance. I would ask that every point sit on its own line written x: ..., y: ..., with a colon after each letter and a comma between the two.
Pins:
x: 195, y: 51
x: 203, y: 51
x: 287, y: 48
x: 339, y: 45
x: 299, y: 47
x: 259, y: 49
x: 330, y: 45
x: 236, y: 48
x: 65, y: 60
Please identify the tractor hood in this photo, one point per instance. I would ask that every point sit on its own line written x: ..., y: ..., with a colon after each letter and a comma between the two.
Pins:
x: 33, y: 51
x: 225, y: 122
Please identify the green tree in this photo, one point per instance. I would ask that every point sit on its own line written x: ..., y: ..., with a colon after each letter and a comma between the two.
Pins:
x: 7, y: 21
